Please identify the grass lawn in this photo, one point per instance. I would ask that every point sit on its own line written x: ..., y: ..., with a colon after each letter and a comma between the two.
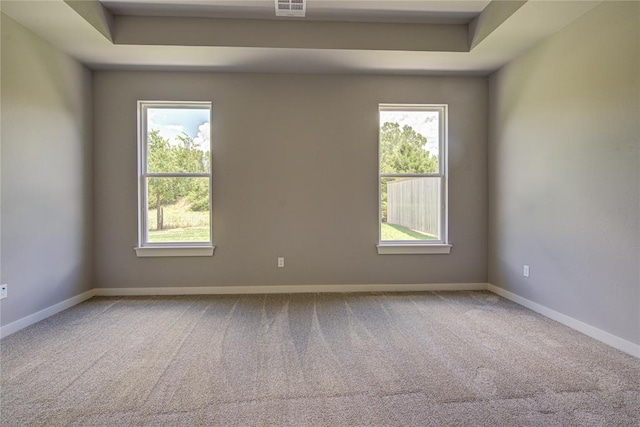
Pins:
x: 181, y: 224
x: 190, y: 234
x: 179, y: 216
x: 398, y: 232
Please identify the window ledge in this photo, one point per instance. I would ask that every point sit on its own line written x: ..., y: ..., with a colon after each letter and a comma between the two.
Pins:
x: 174, y: 251
x: 409, y: 249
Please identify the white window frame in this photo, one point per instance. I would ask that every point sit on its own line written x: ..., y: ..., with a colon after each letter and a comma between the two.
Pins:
x: 441, y: 246
x: 167, y: 249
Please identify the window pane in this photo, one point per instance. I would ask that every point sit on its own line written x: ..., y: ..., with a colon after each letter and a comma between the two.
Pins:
x: 409, y: 141
x: 178, y: 140
x: 410, y: 208
x: 178, y: 210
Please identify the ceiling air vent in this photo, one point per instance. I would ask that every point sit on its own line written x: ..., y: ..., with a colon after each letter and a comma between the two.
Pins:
x: 291, y: 7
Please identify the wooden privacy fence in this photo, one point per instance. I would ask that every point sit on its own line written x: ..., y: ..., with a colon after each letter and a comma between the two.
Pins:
x: 414, y: 203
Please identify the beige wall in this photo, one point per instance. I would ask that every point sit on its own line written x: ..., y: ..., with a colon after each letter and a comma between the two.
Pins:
x: 564, y: 171
x: 46, y: 174
x: 290, y: 152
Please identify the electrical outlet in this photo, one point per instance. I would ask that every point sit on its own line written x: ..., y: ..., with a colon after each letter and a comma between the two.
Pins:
x: 3, y: 291
x: 281, y: 262
x: 525, y: 270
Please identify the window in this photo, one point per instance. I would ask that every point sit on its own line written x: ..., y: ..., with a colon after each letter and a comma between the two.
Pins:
x: 174, y: 182
x: 413, y: 179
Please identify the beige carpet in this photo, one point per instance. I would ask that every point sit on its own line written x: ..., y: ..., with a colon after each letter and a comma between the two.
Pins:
x: 444, y: 358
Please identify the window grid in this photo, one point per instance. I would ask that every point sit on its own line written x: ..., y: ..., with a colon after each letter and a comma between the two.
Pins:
x: 441, y: 109
x: 144, y: 175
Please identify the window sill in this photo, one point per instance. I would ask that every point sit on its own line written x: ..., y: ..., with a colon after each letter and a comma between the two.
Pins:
x: 174, y: 251
x: 412, y: 249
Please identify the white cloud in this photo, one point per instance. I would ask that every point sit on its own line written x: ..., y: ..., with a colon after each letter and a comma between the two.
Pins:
x: 203, y: 139
x: 168, y: 132
x: 423, y: 122
x: 171, y: 124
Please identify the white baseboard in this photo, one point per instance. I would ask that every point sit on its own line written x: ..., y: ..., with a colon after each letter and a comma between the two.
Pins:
x: 43, y: 314
x: 289, y: 289
x: 592, y: 331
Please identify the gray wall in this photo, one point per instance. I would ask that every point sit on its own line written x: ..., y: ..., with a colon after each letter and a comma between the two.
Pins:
x: 46, y: 174
x: 289, y: 153
x: 564, y: 171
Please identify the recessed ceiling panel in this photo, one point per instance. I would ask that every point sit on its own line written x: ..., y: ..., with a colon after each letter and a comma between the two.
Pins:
x: 411, y: 11
x: 69, y: 31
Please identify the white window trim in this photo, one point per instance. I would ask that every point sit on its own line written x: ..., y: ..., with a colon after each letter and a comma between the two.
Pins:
x: 406, y: 247
x: 169, y: 249
x: 412, y: 249
x: 174, y: 251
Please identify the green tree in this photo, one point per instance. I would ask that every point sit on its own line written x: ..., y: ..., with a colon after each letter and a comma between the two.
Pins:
x: 192, y: 159
x: 189, y: 158
x: 160, y: 159
x: 183, y: 157
x: 403, y: 150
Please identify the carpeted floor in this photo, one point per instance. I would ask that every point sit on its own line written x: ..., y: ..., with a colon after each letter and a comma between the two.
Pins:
x: 439, y: 358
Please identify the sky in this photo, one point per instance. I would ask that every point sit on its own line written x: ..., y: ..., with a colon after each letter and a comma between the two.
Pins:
x: 171, y: 122
x: 423, y: 122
